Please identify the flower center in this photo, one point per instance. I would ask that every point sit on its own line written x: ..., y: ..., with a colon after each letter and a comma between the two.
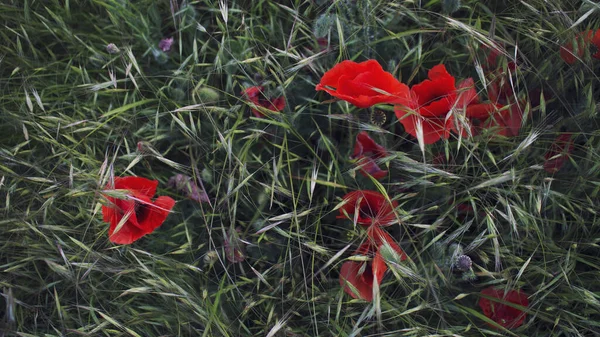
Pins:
x: 366, y: 211
x: 141, y: 211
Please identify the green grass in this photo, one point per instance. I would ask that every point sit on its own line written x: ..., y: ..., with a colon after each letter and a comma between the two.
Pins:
x: 71, y: 117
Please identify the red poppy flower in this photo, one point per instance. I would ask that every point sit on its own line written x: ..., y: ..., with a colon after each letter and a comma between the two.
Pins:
x: 431, y: 100
x: 373, y: 208
x: 256, y: 95
x: 559, y: 153
x: 357, y: 277
x: 367, y: 151
x: 583, y: 40
x: 363, y: 84
x: 138, y: 214
x: 504, y: 314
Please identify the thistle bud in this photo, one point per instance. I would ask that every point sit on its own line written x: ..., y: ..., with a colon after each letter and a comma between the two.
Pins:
x: 463, y: 263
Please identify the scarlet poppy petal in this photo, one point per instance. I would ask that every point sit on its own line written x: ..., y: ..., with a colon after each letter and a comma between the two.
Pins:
x: 380, y: 237
x: 380, y: 84
x: 352, y: 283
x: 347, y: 68
x: 379, y: 267
x: 363, y: 95
x: 363, y: 84
x: 140, y: 185
x: 108, y: 212
x: 434, y: 98
x: 439, y: 72
x: 349, y: 207
x: 504, y: 314
x: 366, y: 248
x: 278, y: 103
x: 257, y: 113
x: 253, y: 92
x: 566, y: 53
x: 158, y: 212
x: 125, y: 207
x: 434, y: 129
x: 126, y: 235
x: 372, y: 206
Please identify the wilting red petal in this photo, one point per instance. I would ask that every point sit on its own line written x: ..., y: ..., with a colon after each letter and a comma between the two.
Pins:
x: 367, y: 151
x: 355, y: 284
x: 360, y: 285
x: 380, y: 237
x: 256, y: 95
x: 363, y: 84
x: 373, y: 208
x: 253, y: 92
x: 235, y: 250
x: 504, y: 314
x: 278, y: 104
x: 559, y: 153
x: 506, y: 122
x: 378, y: 267
x: 369, y: 167
x: 366, y: 145
x: 513, y: 118
x: 467, y: 95
x: 186, y: 186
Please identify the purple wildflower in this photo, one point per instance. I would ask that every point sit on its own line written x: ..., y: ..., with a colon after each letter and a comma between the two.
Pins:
x: 165, y: 44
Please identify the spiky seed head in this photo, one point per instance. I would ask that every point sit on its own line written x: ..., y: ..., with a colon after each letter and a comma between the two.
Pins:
x: 464, y: 263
